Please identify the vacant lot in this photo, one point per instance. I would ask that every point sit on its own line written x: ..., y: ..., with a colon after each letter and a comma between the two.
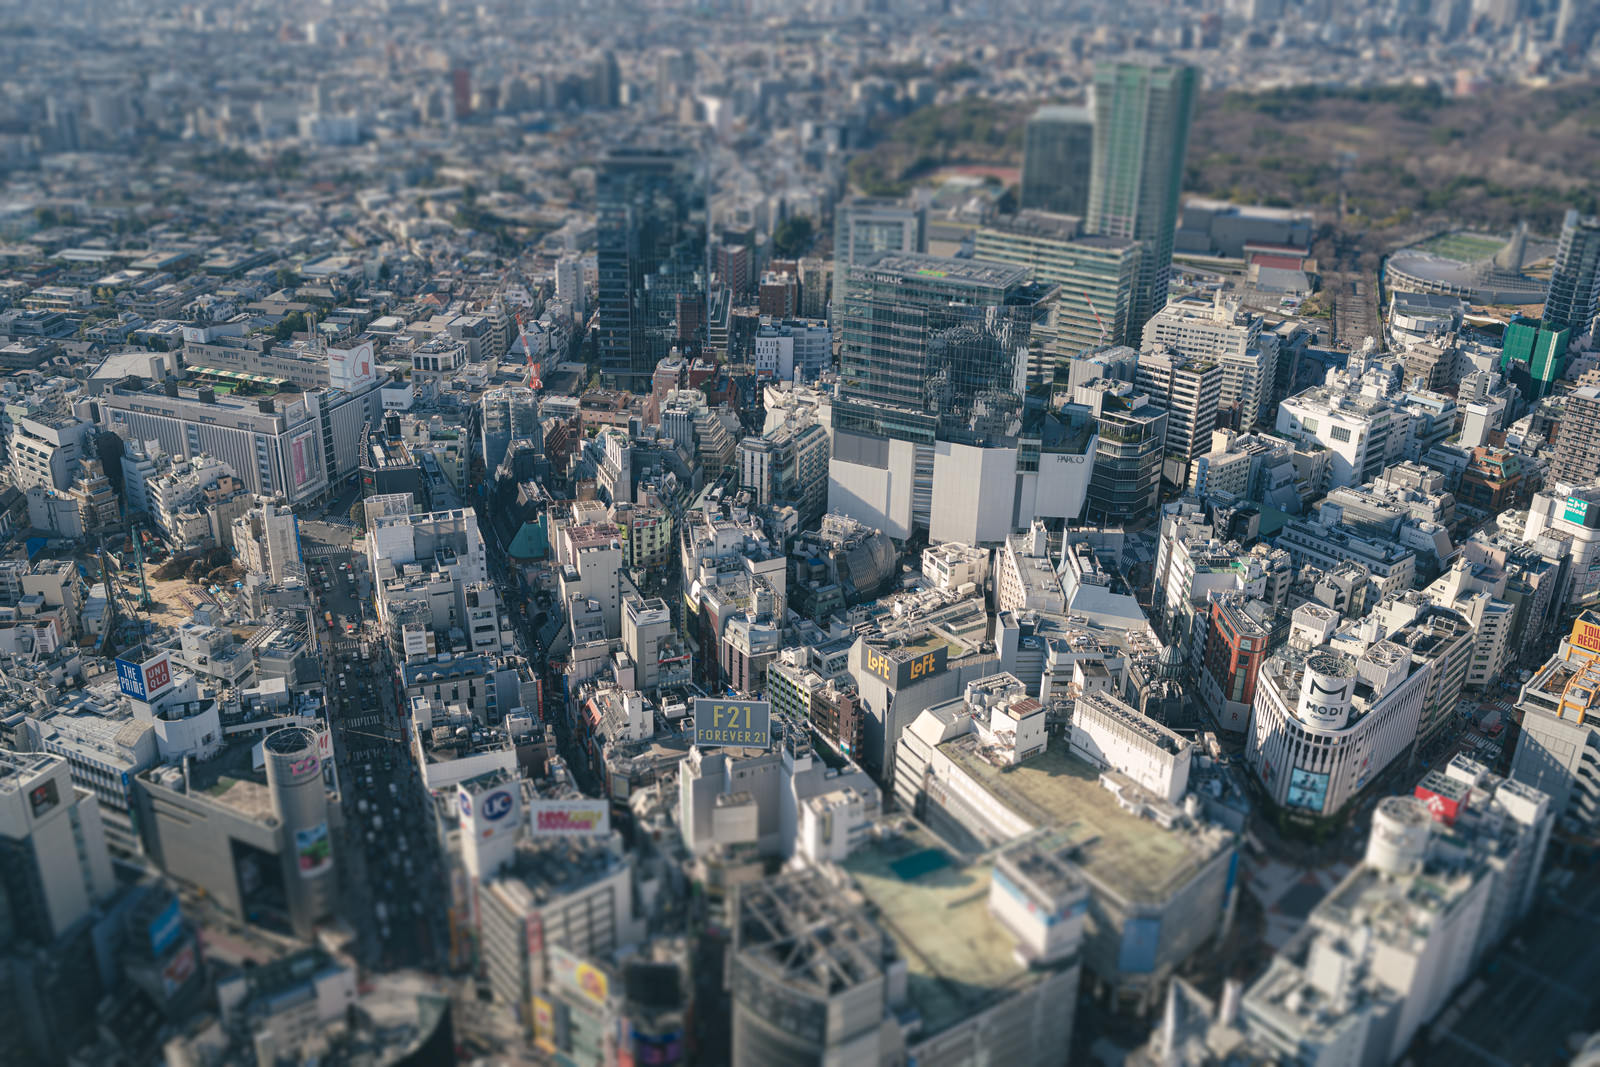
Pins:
x: 1402, y: 157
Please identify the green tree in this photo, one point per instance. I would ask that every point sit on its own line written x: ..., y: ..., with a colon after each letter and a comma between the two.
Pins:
x: 358, y: 515
x: 289, y: 325
x: 793, y: 236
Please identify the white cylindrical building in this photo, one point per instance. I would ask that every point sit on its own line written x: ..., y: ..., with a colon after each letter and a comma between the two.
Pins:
x: 1326, y: 688
x: 300, y: 802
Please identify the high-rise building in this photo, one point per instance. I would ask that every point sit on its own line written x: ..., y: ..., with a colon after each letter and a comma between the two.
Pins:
x: 54, y: 865
x: 1533, y: 356
x: 651, y: 258
x: 1558, y: 749
x: 1577, y: 460
x: 1218, y: 329
x: 569, y: 285
x: 1130, y: 433
x: 1325, y: 723
x: 1141, y: 135
x: 461, y: 92
x: 1096, y: 275
x: 930, y: 427
x: 1574, y: 291
x: 1448, y: 871
x: 1057, y: 148
x: 864, y: 226
x: 510, y: 413
x: 1189, y: 390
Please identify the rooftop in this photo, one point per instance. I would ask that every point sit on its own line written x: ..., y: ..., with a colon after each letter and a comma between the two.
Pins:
x: 1120, y: 853
x: 959, y: 960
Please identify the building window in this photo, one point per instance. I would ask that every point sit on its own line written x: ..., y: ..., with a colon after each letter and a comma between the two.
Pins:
x: 1341, y: 434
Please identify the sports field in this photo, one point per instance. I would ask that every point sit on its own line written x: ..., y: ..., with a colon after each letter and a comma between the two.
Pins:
x: 1467, y: 247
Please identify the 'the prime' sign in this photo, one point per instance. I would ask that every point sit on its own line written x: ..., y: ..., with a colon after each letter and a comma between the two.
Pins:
x: 739, y: 723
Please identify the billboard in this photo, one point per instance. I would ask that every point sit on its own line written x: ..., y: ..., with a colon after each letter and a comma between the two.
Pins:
x: 145, y: 681
x: 1581, y: 511
x: 569, y: 818
x: 178, y: 970
x: 165, y: 928
x: 1307, y: 789
x: 1443, y: 807
x: 313, y: 851
x: 745, y: 723
x: 305, y: 465
x: 303, y: 768
x: 497, y: 805
x: 43, y: 797
x: 576, y: 975
x: 544, y: 1025
x: 902, y: 672
x: 1585, y: 635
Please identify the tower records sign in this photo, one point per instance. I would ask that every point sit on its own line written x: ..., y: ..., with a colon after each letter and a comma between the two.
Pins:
x: 737, y: 723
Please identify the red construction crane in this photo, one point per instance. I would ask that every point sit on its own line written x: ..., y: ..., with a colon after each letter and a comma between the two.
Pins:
x: 533, y: 367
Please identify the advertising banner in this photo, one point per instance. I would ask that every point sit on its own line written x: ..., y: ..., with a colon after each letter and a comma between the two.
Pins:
x: 569, y: 818
x: 313, y: 850
x: 741, y: 723
x: 145, y: 681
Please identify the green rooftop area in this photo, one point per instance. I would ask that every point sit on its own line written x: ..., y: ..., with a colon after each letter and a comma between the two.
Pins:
x: 1130, y: 857
x: 959, y: 960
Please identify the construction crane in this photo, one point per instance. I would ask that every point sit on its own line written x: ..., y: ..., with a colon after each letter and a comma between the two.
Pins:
x: 1098, y: 321
x: 533, y: 368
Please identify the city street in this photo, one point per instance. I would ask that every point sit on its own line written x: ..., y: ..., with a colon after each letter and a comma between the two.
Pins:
x: 394, y: 883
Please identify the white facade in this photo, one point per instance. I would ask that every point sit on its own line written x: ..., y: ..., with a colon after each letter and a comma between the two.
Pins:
x: 1109, y: 733
x: 1443, y: 880
x: 1560, y: 518
x: 59, y: 828
x: 953, y: 566
x: 1220, y: 331
x: 958, y: 492
x: 1324, y: 723
x: 1363, y: 434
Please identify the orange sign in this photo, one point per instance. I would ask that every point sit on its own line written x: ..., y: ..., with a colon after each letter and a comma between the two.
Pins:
x: 1585, y: 635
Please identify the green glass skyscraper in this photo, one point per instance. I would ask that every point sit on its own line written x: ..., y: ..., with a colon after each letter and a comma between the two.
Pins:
x: 1142, y: 114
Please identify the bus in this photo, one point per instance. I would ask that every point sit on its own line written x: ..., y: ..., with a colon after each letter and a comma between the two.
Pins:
x: 327, y: 619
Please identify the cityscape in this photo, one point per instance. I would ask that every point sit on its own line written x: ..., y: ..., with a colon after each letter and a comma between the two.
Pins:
x: 827, y: 533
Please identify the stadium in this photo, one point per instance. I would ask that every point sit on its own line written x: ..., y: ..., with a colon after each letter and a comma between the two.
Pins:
x: 1474, y: 267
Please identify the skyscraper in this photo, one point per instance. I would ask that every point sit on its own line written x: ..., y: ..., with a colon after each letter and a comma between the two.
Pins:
x: 1096, y: 276
x: 1575, y: 280
x: 935, y: 347
x: 651, y: 260
x: 932, y: 429
x: 864, y: 226
x: 1057, y: 148
x: 1141, y: 135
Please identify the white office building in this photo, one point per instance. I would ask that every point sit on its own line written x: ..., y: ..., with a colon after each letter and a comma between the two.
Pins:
x: 1219, y: 330
x: 1326, y: 722
x: 1447, y: 872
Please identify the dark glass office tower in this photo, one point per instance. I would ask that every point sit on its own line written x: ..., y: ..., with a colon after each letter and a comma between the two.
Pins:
x: 1141, y: 135
x: 936, y: 348
x: 1575, y: 280
x: 1057, y: 152
x: 651, y: 260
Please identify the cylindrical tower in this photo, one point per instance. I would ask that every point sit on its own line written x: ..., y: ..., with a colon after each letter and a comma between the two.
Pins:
x: 1399, y: 841
x: 1325, y: 691
x: 300, y: 800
